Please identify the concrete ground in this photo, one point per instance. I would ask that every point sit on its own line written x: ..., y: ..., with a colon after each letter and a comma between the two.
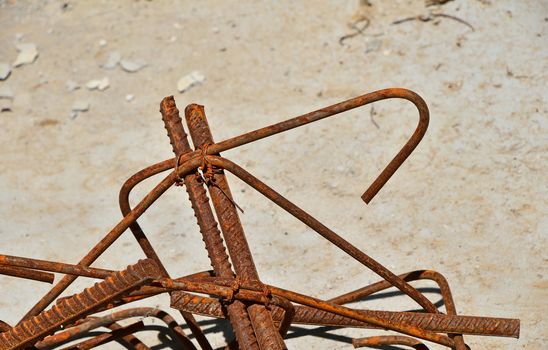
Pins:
x: 470, y: 202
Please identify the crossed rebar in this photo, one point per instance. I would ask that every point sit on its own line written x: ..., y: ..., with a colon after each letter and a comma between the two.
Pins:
x: 259, y: 314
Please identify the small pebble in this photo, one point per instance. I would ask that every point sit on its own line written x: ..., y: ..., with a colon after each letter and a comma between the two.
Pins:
x: 129, y: 97
x: 19, y: 36
x: 112, y: 60
x: 373, y: 46
x: 5, y: 92
x: 98, y: 84
x: 132, y: 66
x: 72, y: 85
x: 6, y: 99
x: 5, y: 105
x: 5, y: 71
x: 27, y: 54
x: 80, y: 106
x: 102, y: 43
x: 190, y: 80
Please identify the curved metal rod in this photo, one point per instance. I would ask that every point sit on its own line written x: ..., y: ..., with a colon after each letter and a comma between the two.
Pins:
x: 148, y: 249
x: 324, y: 231
x: 130, y: 339
x: 435, y: 276
x: 340, y: 107
x: 96, y: 322
x: 119, y: 334
x: 304, y: 119
x: 112, y: 236
x: 389, y: 340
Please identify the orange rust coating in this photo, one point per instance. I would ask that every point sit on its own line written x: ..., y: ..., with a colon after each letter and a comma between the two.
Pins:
x: 211, y: 236
x: 71, y: 309
x: 30, y: 274
x: 389, y: 340
x: 266, y: 332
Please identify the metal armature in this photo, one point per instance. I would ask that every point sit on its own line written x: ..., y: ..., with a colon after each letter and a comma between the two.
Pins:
x: 260, y: 315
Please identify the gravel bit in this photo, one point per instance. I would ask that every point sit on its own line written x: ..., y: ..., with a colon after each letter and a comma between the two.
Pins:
x: 27, y: 54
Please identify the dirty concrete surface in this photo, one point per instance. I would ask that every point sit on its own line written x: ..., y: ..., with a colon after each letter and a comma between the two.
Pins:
x: 469, y: 203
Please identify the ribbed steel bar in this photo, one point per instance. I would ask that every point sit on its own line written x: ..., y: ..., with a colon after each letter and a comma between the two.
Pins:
x: 314, y: 315
x: 410, y: 276
x: 256, y: 293
x: 68, y: 310
x: 238, y: 315
x: 265, y: 331
x: 150, y: 253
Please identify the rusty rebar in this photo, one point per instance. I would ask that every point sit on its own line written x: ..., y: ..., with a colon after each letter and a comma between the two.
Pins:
x: 104, y: 321
x: 104, y: 338
x: 71, y: 309
x: 76, y: 270
x: 379, y: 341
x: 437, y: 277
x: 323, y: 230
x: 129, y: 340
x: 208, y: 226
x: 259, y: 314
x: 265, y: 331
x: 26, y: 273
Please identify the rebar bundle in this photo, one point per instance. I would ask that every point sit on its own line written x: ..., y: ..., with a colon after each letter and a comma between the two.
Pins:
x: 259, y: 314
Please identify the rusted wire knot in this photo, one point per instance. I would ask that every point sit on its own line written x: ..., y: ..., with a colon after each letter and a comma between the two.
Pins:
x: 207, y: 172
x: 234, y: 288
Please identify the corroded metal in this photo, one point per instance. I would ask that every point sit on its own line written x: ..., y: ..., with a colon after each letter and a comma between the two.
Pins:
x: 260, y: 315
x: 70, y: 309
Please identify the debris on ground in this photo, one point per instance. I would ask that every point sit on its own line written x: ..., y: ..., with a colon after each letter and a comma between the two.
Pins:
x: 112, y: 60
x: 6, y: 98
x: 129, y: 97
x: 71, y: 85
x: 6, y: 92
x: 5, y: 105
x: 190, y: 80
x: 5, y: 70
x: 132, y: 66
x: 373, y: 45
x: 430, y: 16
x: 80, y: 106
x: 436, y: 2
x: 98, y: 84
x: 102, y: 43
x: 27, y: 54
x: 358, y: 27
